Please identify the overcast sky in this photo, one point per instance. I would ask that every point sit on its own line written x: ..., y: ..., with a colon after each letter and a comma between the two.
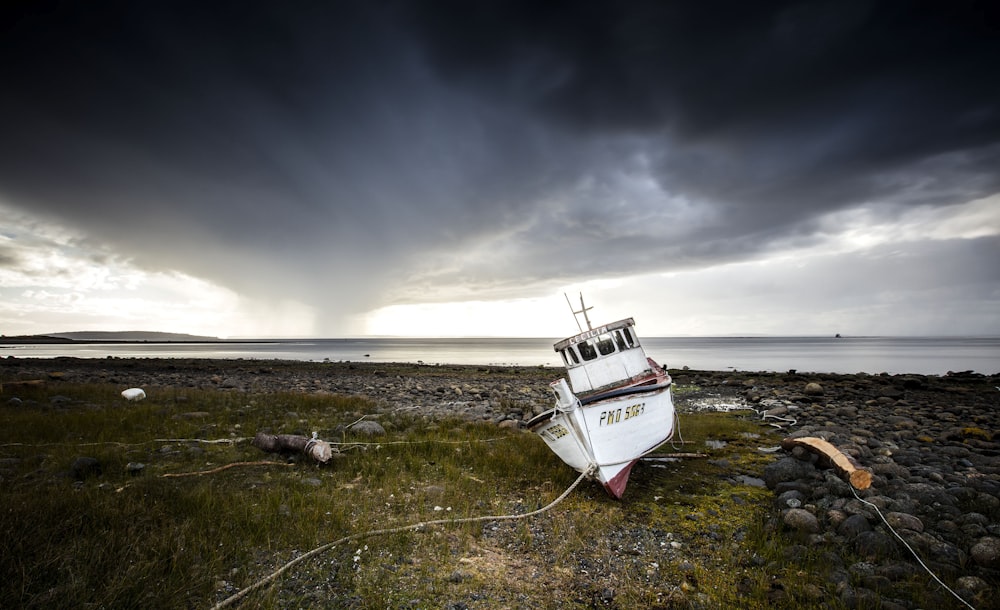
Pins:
x: 452, y: 168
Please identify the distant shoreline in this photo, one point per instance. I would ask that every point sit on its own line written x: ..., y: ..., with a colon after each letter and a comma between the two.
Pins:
x: 50, y: 340
x: 933, y: 356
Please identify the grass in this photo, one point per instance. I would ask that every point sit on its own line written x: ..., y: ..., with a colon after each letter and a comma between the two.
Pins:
x: 686, y: 535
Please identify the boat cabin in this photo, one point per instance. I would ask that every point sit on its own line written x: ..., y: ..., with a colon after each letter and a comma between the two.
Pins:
x: 606, y: 356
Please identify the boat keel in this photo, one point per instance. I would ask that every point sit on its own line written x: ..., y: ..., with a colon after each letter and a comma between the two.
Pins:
x: 615, y: 485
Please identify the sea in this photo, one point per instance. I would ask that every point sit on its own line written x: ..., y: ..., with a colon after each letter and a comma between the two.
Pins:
x: 844, y: 355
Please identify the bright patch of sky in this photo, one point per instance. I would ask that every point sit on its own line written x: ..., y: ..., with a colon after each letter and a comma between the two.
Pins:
x: 52, y: 280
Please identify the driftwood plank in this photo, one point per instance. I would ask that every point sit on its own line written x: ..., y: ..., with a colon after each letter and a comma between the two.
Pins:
x: 293, y: 443
x: 845, y: 464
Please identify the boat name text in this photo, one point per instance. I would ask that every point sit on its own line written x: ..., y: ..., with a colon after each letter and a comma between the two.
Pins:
x: 616, y: 416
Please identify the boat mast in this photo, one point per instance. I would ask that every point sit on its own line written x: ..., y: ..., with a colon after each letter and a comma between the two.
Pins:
x: 583, y: 309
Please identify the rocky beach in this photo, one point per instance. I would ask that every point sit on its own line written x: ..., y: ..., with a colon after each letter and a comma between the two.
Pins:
x: 929, y: 443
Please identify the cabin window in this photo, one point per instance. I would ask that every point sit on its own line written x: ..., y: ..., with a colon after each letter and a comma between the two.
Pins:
x: 569, y: 356
x: 629, y: 337
x: 605, y: 345
x: 620, y: 340
x: 587, y: 350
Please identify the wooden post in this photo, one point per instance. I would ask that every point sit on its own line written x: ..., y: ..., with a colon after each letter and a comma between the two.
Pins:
x: 848, y: 467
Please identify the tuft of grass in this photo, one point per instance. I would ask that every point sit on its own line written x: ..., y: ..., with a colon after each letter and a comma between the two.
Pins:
x: 686, y: 535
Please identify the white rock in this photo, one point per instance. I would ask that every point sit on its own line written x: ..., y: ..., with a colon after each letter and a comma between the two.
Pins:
x: 133, y: 394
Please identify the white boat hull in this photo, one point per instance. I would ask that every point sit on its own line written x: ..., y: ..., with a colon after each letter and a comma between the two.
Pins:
x: 608, y: 435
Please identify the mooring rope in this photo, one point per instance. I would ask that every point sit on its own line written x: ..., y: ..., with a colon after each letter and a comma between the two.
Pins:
x: 243, y: 439
x: 909, y: 548
x: 394, y: 530
x: 677, y: 429
x: 221, y: 468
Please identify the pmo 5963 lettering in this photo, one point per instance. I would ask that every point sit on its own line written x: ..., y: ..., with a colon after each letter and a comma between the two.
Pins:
x: 616, y: 416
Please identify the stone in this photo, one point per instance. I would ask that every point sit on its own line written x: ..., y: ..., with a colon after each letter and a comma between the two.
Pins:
x: 801, y: 520
x: 368, y: 428
x: 986, y: 552
x: 813, y: 389
x: 787, y: 469
x: 949, y: 554
x: 875, y: 545
x: 744, y: 479
x: 134, y: 468
x: 898, y: 570
x: 972, y: 584
x: 791, y: 499
x: 83, y: 467
x: 905, y: 521
x: 891, y: 470
x: 853, y: 525
x: 776, y: 412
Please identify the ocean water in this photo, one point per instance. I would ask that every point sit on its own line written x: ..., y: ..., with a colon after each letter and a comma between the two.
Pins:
x: 894, y: 355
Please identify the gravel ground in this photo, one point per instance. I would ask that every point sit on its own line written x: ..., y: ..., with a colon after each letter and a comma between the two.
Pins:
x: 930, y: 443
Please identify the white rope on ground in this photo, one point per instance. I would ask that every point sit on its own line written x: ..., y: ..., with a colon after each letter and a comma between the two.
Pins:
x: 790, y: 421
x: 231, y: 441
x: 221, y: 468
x: 234, y: 441
x: 909, y: 548
x: 394, y: 530
x: 379, y: 444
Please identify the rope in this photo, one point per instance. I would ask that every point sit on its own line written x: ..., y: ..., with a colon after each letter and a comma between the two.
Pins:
x: 791, y: 421
x: 221, y: 468
x: 677, y: 429
x: 376, y: 443
x: 230, y: 441
x: 909, y: 548
x: 233, y: 441
x: 393, y: 530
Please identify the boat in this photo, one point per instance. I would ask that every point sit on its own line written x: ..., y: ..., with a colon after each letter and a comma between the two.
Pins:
x: 615, y: 408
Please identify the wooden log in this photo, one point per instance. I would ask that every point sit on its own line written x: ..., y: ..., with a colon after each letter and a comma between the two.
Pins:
x: 315, y: 448
x: 26, y: 382
x: 845, y: 464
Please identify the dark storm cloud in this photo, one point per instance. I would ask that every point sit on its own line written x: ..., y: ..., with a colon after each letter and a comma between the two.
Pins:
x: 326, y: 150
x: 777, y: 110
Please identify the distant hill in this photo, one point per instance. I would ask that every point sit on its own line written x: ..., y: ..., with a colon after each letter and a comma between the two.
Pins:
x: 131, y: 335
x: 31, y: 339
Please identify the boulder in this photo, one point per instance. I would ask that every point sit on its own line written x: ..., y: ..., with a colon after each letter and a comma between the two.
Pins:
x: 813, y: 389
x: 787, y: 469
x: 986, y: 552
x: 801, y: 520
x: 83, y: 467
x: 368, y: 428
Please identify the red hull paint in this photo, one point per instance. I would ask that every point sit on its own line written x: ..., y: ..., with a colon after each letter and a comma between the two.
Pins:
x: 616, y: 486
